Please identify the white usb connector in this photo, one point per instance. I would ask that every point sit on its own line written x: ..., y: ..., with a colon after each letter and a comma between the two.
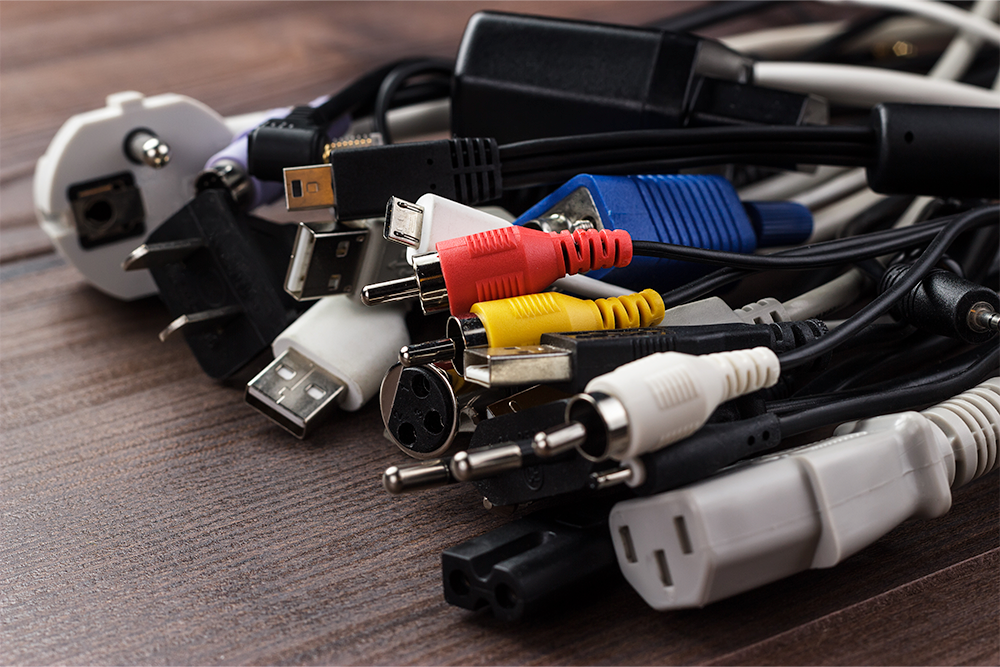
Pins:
x: 332, y: 355
x: 805, y: 508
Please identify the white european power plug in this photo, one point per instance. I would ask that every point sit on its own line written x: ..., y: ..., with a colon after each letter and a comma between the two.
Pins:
x: 97, y: 200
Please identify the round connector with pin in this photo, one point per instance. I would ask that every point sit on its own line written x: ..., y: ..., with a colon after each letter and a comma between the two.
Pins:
x: 947, y: 304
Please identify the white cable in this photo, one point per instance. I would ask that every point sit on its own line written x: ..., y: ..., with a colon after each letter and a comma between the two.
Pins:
x: 866, y: 86
x: 828, y: 222
x: 828, y: 297
x: 787, y: 42
x: 784, y: 186
x: 836, y: 188
x: 668, y: 396
x: 960, y: 52
x: 783, y: 42
x: 936, y: 11
x: 713, y: 310
x: 809, y: 507
x: 912, y: 212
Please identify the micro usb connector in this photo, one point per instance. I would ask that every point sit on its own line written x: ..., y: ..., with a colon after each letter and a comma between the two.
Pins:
x: 404, y: 222
x: 294, y: 392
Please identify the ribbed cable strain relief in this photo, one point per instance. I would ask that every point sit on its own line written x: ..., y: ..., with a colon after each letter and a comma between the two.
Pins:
x: 746, y: 370
x: 892, y: 275
x: 778, y: 223
x: 792, y: 335
x: 971, y: 422
x: 644, y: 309
x: 592, y: 249
x: 475, y: 164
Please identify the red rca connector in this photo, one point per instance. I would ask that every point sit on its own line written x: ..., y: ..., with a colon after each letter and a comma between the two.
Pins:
x: 501, y: 263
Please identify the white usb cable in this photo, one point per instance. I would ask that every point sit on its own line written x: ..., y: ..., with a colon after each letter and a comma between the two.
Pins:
x: 334, y: 354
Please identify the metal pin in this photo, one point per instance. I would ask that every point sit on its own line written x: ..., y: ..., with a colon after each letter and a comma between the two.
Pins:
x: 983, y: 318
x: 609, y: 478
x: 230, y: 176
x: 203, y: 321
x: 391, y: 290
x: 559, y: 439
x: 427, y: 475
x: 477, y: 464
x: 157, y: 254
x: 144, y: 147
x: 420, y: 354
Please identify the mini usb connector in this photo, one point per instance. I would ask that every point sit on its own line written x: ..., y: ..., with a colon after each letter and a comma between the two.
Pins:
x: 308, y: 188
x: 294, y: 392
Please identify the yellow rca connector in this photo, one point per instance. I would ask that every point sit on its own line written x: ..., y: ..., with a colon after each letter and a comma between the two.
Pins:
x: 522, y: 320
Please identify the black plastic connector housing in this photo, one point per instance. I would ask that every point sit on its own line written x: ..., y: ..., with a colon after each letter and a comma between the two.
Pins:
x: 424, y: 411
x: 718, y: 102
x: 537, y: 479
x: 527, y: 565
x: 706, y: 452
x: 595, y: 353
x: 941, y: 303
x: 936, y: 150
x: 297, y: 139
x: 236, y: 275
x: 107, y: 209
x: 521, y: 77
x: 463, y: 170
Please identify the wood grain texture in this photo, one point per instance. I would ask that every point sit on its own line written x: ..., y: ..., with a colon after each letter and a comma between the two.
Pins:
x: 150, y: 517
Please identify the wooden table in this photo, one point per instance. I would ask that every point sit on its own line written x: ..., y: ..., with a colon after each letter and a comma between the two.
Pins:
x: 151, y: 517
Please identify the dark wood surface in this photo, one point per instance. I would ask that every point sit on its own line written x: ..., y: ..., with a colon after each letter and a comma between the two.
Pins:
x: 150, y: 517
